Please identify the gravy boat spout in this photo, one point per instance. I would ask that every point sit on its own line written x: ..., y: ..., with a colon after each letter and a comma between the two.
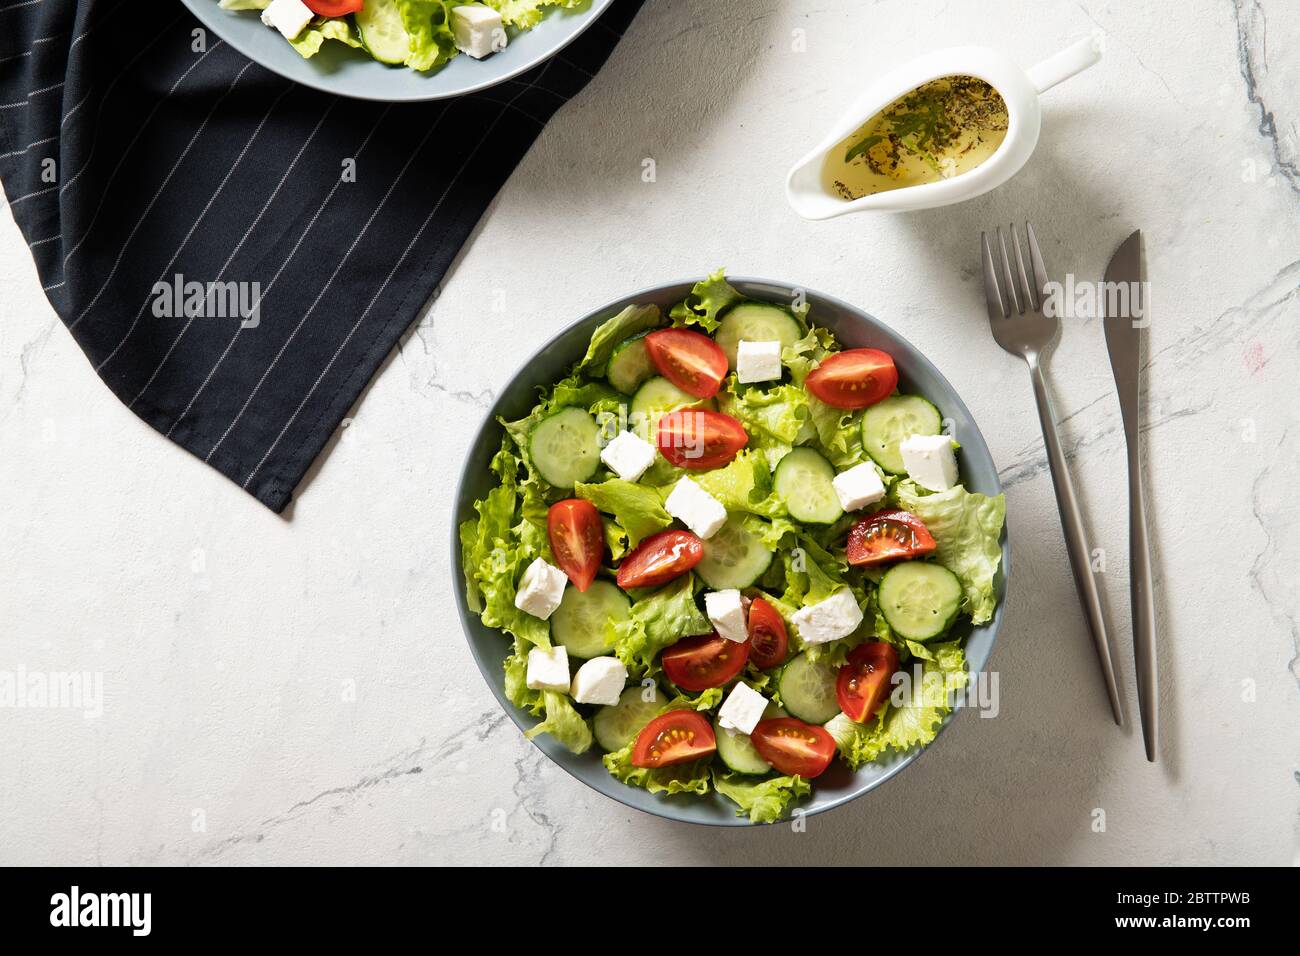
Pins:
x: 809, y: 195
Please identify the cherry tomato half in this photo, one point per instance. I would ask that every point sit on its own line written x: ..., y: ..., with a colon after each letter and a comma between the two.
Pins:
x: 793, y: 747
x: 698, y: 663
x: 864, y: 682
x: 577, y: 539
x: 333, y: 8
x: 853, y: 379
x: 660, y: 558
x: 691, y: 361
x: 700, y: 440
x: 888, y: 536
x: 768, y: 641
x: 674, y: 737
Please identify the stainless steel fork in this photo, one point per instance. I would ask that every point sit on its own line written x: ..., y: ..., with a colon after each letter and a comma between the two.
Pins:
x: 1021, y: 326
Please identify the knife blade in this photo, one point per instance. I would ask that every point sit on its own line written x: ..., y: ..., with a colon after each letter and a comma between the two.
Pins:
x: 1125, y: 315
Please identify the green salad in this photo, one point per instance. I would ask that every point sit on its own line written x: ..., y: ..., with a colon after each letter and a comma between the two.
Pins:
x: 728, y: 552
x: 420, y: 34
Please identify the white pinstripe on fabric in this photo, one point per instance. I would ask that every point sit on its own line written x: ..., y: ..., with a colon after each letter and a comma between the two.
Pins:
x: 19, y: 152
x: 39, y: 192
x: 16, y: 6
x: 234, y: 252
x: 288, y: 259
x: 121, y: 253
x: 193, y: 226
x: 384, y: 285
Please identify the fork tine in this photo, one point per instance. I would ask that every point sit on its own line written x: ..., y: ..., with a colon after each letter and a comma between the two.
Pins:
x: 991, y: 290
x: 1012, y: 292
x: 1036, y: 260
x: 1031, y: 294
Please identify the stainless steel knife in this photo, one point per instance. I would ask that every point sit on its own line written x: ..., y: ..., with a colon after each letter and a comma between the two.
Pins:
x: 1125, y: 314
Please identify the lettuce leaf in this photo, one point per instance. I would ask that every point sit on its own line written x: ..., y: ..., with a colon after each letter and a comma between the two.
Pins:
x: 776, y: 419
x: 690, y: 777
x: 966, y: 526
x: 706, y: 302
x: 655, y: 622
x: 639, y: 510
x: 526, y: 14
x: 629, y: 322
x: 563, y: 723
x: 313, y: 37
x: 765, y: 800
x: 428, y: 27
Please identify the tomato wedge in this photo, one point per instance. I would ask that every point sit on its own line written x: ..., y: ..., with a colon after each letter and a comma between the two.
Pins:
x: 853, y: 379
x: 577, y: 539
x: 793, y: 747
x: 698, y: 663
x: 674, y: 737
x: 691, y: 361
x: 768, y: 641
x: 333, y: 8
x: 864, y: 682
x: 888, y: 536
x: 660, y: 558
x: 700, y: 440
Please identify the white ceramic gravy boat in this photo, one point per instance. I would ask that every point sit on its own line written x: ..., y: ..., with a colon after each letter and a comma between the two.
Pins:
x: 1020, y: 89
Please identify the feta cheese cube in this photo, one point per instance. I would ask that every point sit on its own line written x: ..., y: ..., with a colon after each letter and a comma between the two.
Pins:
x: 742, y: 710
x: 930, y: 461
x: 829, y: 620
x: 477, y: 30
x: 628, y: 456
x: 599, y: 681
x: 758, y: 361
x: 859, y: 486
x: 549, y: 670
x: 727, y: 613
x: 696, y: 508
x: 290, y: 17
x: 540, y: 589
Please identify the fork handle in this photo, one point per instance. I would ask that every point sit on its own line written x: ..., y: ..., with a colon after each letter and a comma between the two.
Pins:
x: 1076, y: 542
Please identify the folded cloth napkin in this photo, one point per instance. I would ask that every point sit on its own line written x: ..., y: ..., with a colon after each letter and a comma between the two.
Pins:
x: 235, y: 253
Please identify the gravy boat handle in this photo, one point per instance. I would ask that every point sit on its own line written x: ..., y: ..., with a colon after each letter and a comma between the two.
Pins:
x: 1073, y: 59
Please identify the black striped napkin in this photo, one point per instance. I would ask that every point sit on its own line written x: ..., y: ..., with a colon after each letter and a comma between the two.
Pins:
x: 234, y: 253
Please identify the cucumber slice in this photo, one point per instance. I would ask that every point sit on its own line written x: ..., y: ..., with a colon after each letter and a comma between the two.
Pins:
x: 756, y: 322
x: 733, y: 558
x: 888, y: 422
x: 808, y: 689
x: 630, y: 365
x: 803, y: 481
x: 617, y: 725
x: 380, y: 24
x: 919, y: 599
x: 656, y: 398
x: 737, y: 751
x: 579, y: 622
x: 565, y: 447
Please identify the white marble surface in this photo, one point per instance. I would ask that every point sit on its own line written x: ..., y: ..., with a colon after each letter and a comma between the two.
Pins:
x: 298, y: 690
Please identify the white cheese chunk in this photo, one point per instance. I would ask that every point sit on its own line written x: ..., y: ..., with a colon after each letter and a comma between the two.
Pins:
x: 727, y: 613
x: 742, y: 710
x: 290, y: 17
x: 829, y: 620
x: 599, y: 681
x: 549, y: 670
x: 930, y: 461
x: 758, y: 361
x: 477, y: 30
x: 696, y: 508
x: 628, y: 456
x: 540, y: 589
x: 859, y: 486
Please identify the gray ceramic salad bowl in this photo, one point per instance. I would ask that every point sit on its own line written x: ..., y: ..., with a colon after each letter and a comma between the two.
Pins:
x: 337, y: 69
x: 854, y: 329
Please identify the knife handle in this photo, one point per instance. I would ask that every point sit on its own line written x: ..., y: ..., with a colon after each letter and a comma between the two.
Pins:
x: 1140, y: 595
x: 1076, y: 542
